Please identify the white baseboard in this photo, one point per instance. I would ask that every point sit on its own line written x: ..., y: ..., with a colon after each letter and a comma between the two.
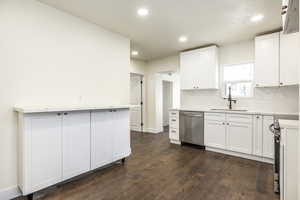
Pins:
x: 9, y: 193
x: 151, y: 130
x: 175, y: 141
x: 241, y: 155
x: 134, y: 128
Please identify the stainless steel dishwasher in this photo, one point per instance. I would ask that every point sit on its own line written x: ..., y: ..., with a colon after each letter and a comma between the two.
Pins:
x: 191, y: 126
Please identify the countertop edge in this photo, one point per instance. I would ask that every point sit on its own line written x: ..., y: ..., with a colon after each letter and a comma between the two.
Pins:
x: 28, y: 110
x: 267, y: 113
x: 289, y: 124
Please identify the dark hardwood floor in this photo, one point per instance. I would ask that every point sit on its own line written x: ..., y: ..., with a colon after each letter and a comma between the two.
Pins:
x: 158, y: 170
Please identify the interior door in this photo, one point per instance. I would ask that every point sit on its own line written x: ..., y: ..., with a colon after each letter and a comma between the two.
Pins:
x: 76, y: 143
x: 102, y: 138
x: 46, y: 150
x: 121, y: 134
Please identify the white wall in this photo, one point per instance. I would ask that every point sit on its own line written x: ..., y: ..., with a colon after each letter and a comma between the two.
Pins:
x: 283, y: 99
x: 48, y: 57
x: 138, y: 67
x: 167, y: 101
x: 154, y: 78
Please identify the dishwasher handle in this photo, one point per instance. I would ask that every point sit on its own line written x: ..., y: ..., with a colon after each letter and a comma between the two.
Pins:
x: 192, y: 115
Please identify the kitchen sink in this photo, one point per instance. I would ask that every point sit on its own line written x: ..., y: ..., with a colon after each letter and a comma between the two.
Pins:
x: 233, y: 110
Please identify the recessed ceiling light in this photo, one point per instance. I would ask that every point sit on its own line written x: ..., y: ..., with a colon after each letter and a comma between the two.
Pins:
x: 134, y: 53
x: 257, y: 18
x: 183, y: 39
x: 143, y: 12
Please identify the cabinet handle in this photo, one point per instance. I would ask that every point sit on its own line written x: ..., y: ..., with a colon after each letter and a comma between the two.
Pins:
x: 257, y: 117
x: 223, y: 123
x: 283, y: 12
x: 228, y: 124
x: 281, y: 83
x: 284, y: 7
x: 173, y: 120
x: 58, y: 114
x: 65, y: 113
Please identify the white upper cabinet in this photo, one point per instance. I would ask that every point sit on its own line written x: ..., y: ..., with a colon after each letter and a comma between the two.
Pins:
x: 276, y: 60
x: 199, y: 69
x: 266, y: 72
x: 289, y: 58
x: 76, y: 143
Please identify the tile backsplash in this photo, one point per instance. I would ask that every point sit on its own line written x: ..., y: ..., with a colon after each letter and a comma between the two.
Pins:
x: 278, y: 99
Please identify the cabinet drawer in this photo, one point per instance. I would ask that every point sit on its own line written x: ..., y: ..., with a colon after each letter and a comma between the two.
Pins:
x: 174, y: 122
x: 215, y: 116
x: 247, y: 119
x: 173, y: 115
x: 174, y: 134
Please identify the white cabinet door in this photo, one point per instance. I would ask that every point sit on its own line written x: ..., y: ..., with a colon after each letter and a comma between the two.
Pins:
x: 257, y: 135
x: 266, y: 72
x: 44, y: 150
x: 199, y: 68
x: 289, y: 58
x: 239, y: 137
x: 76, y: 143
x: 121, y: 134
x: 188, y: 66
x: 268, y: 138
x: 215, y: 134
x: 101, y: 138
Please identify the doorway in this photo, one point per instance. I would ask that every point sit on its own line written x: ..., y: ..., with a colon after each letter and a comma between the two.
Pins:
x: 167, y: 103
x: 136, y: 99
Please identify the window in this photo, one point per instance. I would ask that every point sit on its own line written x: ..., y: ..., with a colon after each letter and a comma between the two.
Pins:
x: 239, y: 77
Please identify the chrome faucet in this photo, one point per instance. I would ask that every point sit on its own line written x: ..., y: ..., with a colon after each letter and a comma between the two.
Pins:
x: 230, y: 100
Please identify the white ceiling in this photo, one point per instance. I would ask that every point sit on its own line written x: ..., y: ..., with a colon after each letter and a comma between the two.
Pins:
x: 203, y: 21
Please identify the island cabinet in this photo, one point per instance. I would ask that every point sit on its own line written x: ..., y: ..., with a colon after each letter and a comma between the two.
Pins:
x: 56, y: 146
x: 109, y: 143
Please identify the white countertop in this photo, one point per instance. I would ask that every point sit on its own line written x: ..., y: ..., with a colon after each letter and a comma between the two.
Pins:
x: 294, y: 124
x: 248, y: 112
x: 42, y: 109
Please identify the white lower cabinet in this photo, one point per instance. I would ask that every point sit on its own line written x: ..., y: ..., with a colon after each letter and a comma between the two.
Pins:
x: 257, y: 135
x: 110, y: 137
x: 42, y: 151
x: 76, y: 143
x: 239, y: 137
x: 268, y: 138
x: 56, y: 146
x: 215, y: 134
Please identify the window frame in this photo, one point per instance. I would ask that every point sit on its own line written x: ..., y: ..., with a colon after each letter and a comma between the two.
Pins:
x: 223, y: 83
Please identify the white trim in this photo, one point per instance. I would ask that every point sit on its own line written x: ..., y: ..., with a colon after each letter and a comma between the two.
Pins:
x: 151, y: 130
x: 175, y: 141
x: 9, y: 193
x: 241, y: 155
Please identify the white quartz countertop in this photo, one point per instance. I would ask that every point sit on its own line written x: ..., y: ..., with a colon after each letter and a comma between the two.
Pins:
x: 294, y: 124
x: 43, y: 109
x: 249, y: 112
